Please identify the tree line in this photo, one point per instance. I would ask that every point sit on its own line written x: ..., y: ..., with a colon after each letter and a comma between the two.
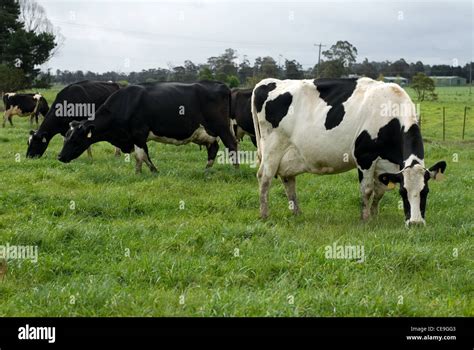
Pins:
x: 338, y: 61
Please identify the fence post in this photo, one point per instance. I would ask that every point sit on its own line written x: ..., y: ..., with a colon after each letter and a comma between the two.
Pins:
x: 444, y: 123
x: 464, y: 122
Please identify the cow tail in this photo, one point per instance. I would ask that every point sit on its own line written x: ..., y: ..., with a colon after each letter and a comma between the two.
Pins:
x: 256, y: 126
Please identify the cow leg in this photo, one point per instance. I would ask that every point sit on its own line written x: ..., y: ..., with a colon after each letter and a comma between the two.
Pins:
x: 7, y: 116
x: 379, y: 191
x: 141, y: 155
x: 290, y: 189
x: 211, y: 153
x: 230, y: 142
x: 89, y: 152
x: 265, y: 174
x: 366, y: 179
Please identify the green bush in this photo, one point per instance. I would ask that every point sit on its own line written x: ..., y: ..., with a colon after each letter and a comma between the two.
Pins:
x: 232, y: 81
x: 43, y: 81
x: 11, y: 79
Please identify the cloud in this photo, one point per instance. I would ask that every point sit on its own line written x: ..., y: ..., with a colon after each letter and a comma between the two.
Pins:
x: 131, y: 36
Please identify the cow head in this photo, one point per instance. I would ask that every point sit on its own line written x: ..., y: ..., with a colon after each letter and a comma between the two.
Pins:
x: 77, y: 140
x: 37, y: 143
x: 414, y: 190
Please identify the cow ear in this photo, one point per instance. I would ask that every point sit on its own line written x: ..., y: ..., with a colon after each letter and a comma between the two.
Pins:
x: 89, y: 129
x: 436, y: 171
x: 389, y: 179
x: 32, y: 132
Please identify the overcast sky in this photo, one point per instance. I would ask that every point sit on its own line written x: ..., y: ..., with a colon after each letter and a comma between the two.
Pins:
x: 134, y: 35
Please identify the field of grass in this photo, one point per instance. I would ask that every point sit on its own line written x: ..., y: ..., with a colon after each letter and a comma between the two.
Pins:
x: 189, y: 243
x: 454, y: 99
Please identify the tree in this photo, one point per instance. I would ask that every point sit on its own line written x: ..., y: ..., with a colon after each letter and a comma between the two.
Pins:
x: 244, y: 70
x: 34, y: 19
x: 19, y: 47
x: 11, y: 79
x: 179, y: 73
x: 190, y: 71
x: 424, y: 87
x: 266, y: 67
x: 400, y: 68
x: 9, y: 24
x: 339, y: 59
x: 342, y: 51
x: 366, y: 69
x: 205, y: 73
x: 332, y: 69
x: 417, y: 67
x: 43, y: 80
x: 223, y: 65
x: 293, y: 70
x: 233, y: 81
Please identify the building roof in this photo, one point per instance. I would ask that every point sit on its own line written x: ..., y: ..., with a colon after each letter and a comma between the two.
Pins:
x: 446, y: 77
x: 395, y: 78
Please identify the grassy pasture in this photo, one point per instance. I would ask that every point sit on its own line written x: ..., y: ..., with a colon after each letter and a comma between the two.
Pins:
x: 189, y: 243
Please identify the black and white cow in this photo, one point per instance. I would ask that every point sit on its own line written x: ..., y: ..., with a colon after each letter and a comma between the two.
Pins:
x: 174, y: 113
x: 241, y: 114
x: 31, y: 105
x: 89, y: 95
x: 329, y: 126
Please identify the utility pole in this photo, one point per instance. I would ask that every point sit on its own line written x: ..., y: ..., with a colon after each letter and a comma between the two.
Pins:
x: 319, y: 58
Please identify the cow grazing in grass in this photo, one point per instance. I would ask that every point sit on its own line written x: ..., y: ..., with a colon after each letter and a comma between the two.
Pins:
x: 241, y: 114
x: 329, y: 126
x: 88, y: 95
x: 174, y: 113
x: 31, y: 105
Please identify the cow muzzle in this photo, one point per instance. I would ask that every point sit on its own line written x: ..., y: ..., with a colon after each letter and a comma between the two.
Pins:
x: 63, y: 159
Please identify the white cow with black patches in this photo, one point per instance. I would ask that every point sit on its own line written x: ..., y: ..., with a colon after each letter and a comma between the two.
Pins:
x: 328, y: 126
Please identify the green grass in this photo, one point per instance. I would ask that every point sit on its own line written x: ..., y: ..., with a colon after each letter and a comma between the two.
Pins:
x: 128, y: 249
x: 454, y: 99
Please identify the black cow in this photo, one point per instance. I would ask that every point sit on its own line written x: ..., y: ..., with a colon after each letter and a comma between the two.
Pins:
x: 175, y: 113
x: 24, y: 105
x: 80, y: 97
x: 241, y: 114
